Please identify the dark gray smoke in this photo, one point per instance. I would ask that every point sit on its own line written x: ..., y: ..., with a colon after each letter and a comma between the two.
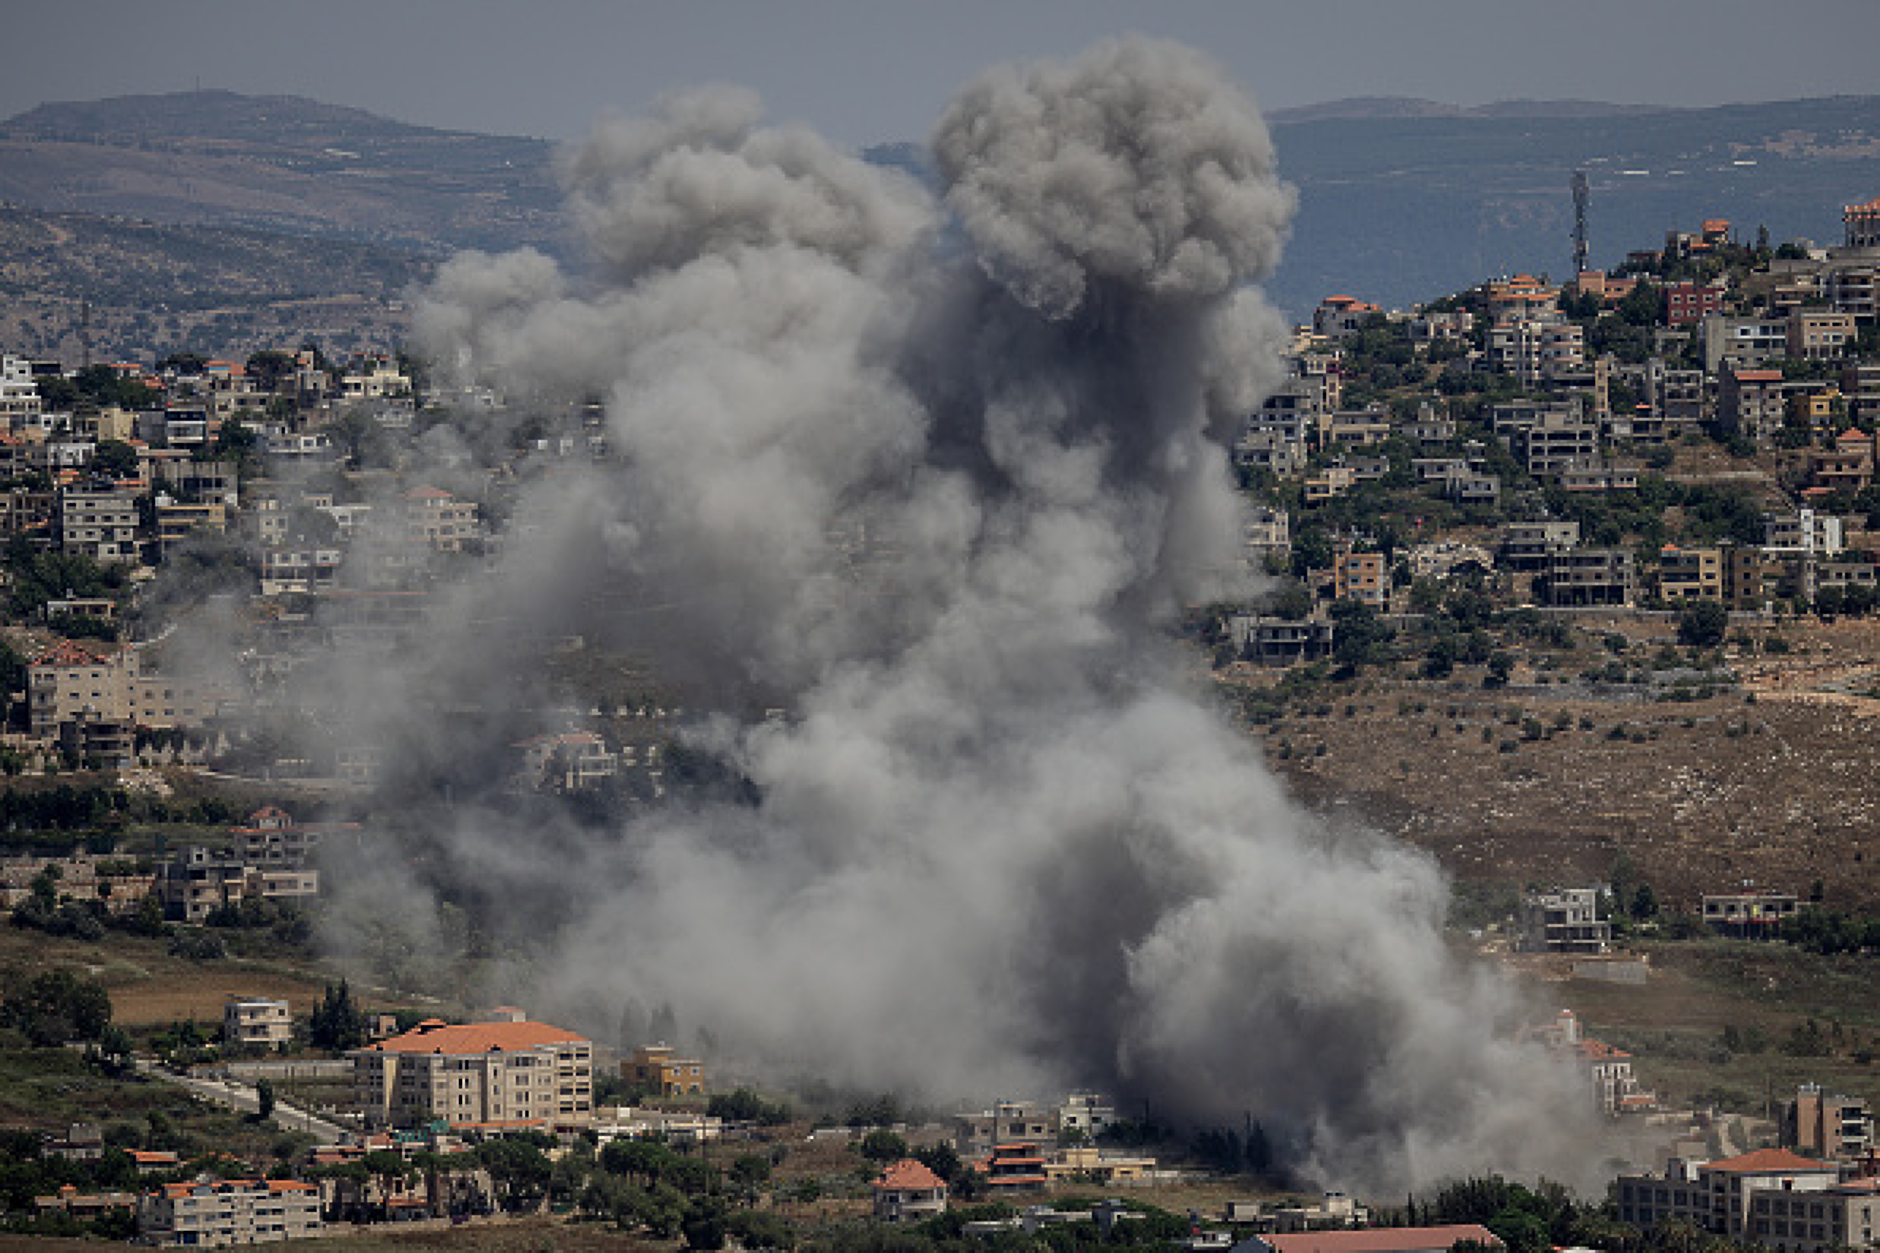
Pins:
x: 931, y: 478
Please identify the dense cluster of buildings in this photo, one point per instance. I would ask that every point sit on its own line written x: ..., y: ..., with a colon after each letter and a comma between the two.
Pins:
x: 1564, y: 428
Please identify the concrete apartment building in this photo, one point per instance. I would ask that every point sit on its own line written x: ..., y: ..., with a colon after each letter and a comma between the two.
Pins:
x: 201, y: 881
x: 1687, y: 573
x: 1827, y: 1124
x: 100, y: 523
x: 1587, y: 576
x: 515, y: 1074
x: 1531, y: 546
x: 1751, y: 403
x: 1361, y: 577
x: 222, y: 1212
x: 75, y: 683
x: 1772, y: 1197
x: 256, y: 1021
x: 1564, y: 920
x: 1749, y: 914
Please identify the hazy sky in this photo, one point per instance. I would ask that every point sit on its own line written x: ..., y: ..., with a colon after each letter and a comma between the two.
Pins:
x: 867, y: 70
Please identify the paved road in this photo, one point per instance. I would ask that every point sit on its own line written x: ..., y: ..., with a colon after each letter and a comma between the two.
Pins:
x: 240, y: 1096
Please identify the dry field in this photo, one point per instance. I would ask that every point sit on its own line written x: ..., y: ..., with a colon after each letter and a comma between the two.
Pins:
x: 1774, y: 781
x: 151, y: 988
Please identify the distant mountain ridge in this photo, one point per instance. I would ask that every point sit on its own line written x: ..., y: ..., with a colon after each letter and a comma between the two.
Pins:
x: 1401, y: 200
x: 1381, y: 108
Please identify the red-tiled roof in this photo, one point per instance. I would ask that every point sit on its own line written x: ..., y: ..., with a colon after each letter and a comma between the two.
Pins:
x: 434, y: 1036
x: 71, y: 653
x: 1769, y: 1161
x: 1600, y: 1051
x: 908, y: 1174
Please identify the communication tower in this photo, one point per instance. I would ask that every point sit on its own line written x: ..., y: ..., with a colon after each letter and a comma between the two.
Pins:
x: 1580, y: 196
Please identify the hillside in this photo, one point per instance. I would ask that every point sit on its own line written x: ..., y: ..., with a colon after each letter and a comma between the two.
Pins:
x: 1400, y: 200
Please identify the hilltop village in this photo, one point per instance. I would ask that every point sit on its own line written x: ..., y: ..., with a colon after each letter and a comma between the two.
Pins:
x: 1671, y: 463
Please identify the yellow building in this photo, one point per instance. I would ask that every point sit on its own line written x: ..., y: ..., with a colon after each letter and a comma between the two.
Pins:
x: 653, y: 1068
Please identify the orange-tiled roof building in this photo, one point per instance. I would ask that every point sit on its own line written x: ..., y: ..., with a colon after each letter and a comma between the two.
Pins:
x: 908, y: 1192
x: 513, y: 1074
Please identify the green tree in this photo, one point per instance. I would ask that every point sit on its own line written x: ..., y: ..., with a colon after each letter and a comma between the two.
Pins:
x: 1702, y: 623
x: 56, y: 1006
x: 337, y: 1024
x: 115, y: 458
x: 882, y: 1145
x: 264, y: 1100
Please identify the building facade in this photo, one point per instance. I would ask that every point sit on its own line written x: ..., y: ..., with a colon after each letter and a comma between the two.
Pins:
x: 477, y: 1074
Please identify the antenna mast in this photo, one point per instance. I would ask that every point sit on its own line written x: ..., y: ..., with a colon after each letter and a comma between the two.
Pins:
x: 1580, y: 196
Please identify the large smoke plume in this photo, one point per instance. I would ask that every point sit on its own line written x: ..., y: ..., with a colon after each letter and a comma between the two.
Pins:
x: 930, y: 475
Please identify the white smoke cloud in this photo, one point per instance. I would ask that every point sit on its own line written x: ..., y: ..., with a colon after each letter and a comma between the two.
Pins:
x: 932, y: 477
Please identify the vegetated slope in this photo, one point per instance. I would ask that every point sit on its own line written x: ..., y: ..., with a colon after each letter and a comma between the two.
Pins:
x: 1553, y: 779
x: 282, y: 163
x: 1399, y: 201
x: 140, y: 290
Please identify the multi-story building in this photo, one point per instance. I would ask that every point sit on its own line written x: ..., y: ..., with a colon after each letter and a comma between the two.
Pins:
x: 1827, y: 1124
x: 1531, y: 546
x: 1686, y: 303
x: 1684, y: 573
x: 256, y: 1021
x: 1772, y: 1197
x: 19, y: 393
x: 1849, y: 285
x: 569, y: 761
x: 1587, y: 576
x: 504, y: 1073
x: 215, y: 1213
x: 1564, y: 920
x: 1803, y: 531
x: 1818, y: 334
x: 100, y: 523
x: 201, y: 881
x: 271, y: 838
x: 1862, y: 224
x: 1555, y: 442
x: 1016, y: 1167
x: 1273, y: 641
x: 1749, y: 914
x: 436, y: 518
x: 658, y: 1068
x: 1743, y: 341
x: 1338, y: 316
x: 177, y: 522
x: 1750, y: 402
x: 1005, y: 1123
x: 1679, y: 404
x: 1537, y: 350
x: 1360, y: 577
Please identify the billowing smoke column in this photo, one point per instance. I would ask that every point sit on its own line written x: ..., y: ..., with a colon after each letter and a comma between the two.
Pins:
x: 931, y: 478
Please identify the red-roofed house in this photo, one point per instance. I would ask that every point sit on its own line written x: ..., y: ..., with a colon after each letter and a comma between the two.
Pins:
x: 512, y: 1074
x: 1340, y: 315
x: 908, y: 1192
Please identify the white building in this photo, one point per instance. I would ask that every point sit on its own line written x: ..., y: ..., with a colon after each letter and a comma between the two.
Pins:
x: 256, y: 1021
